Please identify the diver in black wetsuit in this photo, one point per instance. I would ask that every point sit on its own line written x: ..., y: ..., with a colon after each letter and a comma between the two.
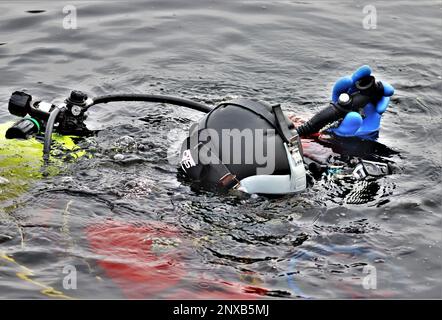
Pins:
x: 352, y: 118
x: 243, y: 144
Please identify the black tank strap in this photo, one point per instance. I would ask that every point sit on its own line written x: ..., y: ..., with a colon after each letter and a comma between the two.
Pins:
x: 276, y: 119
x: 256, y: 107
x: 287, y: 135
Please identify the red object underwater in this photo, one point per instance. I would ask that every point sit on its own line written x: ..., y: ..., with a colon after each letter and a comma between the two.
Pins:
x: 147, y: 261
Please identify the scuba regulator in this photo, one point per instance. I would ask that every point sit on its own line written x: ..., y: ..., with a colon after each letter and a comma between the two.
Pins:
x: 367, y: 90
x: 288, y: 176
x: 68, y: 118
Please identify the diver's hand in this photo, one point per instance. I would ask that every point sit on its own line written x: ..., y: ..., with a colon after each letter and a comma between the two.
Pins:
x: 353, y: 124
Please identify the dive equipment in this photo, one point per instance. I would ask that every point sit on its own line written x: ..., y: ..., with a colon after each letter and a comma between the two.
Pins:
x: 20, y: 104
x: 21, y: 161
x: 23, y: 129
x: 371, y: 168
x: 367, y: 90
x: 204, y: 156
x: 289, y: 173
x: 366, y: 123
x: 68, y: 118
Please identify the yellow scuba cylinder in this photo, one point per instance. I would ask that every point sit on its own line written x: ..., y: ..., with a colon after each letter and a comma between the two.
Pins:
x: 21, y: 161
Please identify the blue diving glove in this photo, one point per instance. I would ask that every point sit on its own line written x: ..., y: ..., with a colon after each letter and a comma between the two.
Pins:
x: 355, y: 124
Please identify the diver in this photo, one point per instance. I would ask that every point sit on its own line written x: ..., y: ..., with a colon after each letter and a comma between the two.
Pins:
x: 350, y: 125
x: 244, y: 144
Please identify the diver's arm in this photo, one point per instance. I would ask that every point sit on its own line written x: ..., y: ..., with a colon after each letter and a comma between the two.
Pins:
x: 322, y: 159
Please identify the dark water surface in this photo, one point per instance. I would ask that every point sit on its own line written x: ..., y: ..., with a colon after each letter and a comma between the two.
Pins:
x: 105, y: 215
